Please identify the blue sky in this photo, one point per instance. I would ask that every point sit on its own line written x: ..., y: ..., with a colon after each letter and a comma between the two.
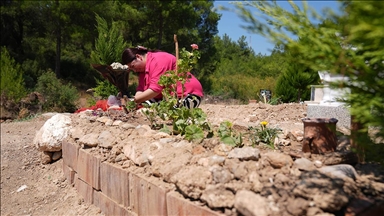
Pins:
x: 230, y: 23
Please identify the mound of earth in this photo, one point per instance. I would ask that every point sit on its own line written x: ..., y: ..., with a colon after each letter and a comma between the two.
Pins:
x: 233, y: 181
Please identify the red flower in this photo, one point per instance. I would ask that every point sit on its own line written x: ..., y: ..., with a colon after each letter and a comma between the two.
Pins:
x: 194, y: 47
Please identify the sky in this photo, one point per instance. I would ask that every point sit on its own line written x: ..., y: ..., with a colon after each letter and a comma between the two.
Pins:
x: 230, y: 23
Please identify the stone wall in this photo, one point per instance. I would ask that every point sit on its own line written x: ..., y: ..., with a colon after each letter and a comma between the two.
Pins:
x: 118, y: 191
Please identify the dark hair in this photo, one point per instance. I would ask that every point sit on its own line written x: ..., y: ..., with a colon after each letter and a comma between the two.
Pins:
x: 129, y: 54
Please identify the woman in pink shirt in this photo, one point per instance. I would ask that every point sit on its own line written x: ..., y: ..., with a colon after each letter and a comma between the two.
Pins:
x: 150, y: 65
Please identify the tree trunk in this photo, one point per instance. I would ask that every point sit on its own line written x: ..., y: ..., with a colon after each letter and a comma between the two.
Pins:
x: 298, y: 95
x: 355, y: 135
x: 159, y: 39
x: 58, y: 45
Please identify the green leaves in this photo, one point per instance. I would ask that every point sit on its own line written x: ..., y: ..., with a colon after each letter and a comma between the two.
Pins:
x: 12, y: 82
x: 228, y: 136
x: 264, y: 134
x: 109, y: 44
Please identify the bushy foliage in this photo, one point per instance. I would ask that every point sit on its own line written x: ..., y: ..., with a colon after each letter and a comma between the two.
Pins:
x: 59, y: 97
x: 240, y: 86
x: 239, y: 73
x: 108, y: 49
x: 12, y: 82
x: 109, y: 44
x: 295, y: 83
x: 264, y: 135
x: 104, y: 89
x: 284, y: 90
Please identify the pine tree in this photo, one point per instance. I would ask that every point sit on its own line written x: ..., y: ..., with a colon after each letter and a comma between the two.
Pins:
x: 109, y: 45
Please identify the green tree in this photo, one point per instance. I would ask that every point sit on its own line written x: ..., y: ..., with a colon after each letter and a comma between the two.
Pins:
x: 350, y: 44
x: 58, y: 96
x: 109, y: 44
x: 12, y: 83
x: 300, y: 78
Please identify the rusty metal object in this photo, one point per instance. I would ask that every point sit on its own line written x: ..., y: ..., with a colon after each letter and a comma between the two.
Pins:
x: 319, y: 135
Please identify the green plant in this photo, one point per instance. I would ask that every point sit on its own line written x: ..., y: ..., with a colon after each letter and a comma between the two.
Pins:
x: 12, y: 82
x: 58, y: 97
x: 191, y: 123
x: 275, y: 101
x: 264, y: 134
x: 109, y: 44
x: 228, y: 136
x: 104, y: 89
x: 108, y: 48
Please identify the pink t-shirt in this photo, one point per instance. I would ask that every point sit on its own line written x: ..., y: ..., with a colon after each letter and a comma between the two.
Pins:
x: 157, y: 64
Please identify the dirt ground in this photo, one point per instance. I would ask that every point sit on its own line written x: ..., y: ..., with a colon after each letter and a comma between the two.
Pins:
x: 30, y: 188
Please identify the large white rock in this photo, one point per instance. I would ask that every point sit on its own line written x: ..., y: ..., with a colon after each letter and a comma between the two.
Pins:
x: 52, y: 133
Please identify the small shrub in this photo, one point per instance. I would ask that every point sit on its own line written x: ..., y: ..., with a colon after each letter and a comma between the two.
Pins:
x: 58, y: 97
x: 104, y: 89
x: 12, y: 82
x: 228, y: 136
x: 264, y: 134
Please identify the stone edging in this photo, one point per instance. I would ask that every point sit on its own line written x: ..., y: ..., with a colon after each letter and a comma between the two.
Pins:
x: 119, y: 192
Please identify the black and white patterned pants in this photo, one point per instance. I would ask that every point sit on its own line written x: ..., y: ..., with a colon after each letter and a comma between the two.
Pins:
x: 190, y: 101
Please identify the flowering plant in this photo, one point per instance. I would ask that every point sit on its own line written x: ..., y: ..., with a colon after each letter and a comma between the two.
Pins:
x: 187, y: 59
x: 185, y: 63
x: 188, y: 122
x: 264, y: 134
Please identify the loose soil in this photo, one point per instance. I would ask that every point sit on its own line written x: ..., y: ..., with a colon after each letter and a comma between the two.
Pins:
x: 29, y: 187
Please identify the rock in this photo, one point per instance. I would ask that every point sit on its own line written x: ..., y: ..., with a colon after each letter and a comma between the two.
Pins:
x: 90, y: 140
x: 220, y: 174
x: 56, y: 155
x: 246, y: 153
x: 117, y: 123
x: 222, y: 149
x: 127, y: 126
x: 318, y: 163
x: 278, y: 160
x: 297, y: 206
x: 167, y: 140
x: 218, y: 197
x: 52, y: 133
x: 304, y: 164
x: 251, y: 204
x: 109, y: 122
x: 182, y: 143
x: 46, y: 157
x: 237, y: 167
x: 215, y: 159
x: 334, y: 158
x: 137, y: 154
x: 106, y: 139
x: 103, y: 119
x: 169, y: 161
x: 326, y: 193
x: 198, y: 150
x: 254, y: 178
x: 191, y: 181
x: 340, y: 171
x: 76, y: 133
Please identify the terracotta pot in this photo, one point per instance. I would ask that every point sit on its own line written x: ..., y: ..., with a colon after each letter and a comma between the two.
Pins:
x: 319, y: 135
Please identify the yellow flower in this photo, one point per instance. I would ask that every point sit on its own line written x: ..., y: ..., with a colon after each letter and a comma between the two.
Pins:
x: 264, y: 123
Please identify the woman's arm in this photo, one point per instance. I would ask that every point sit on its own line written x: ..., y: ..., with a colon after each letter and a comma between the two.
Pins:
x: 145, y: 95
